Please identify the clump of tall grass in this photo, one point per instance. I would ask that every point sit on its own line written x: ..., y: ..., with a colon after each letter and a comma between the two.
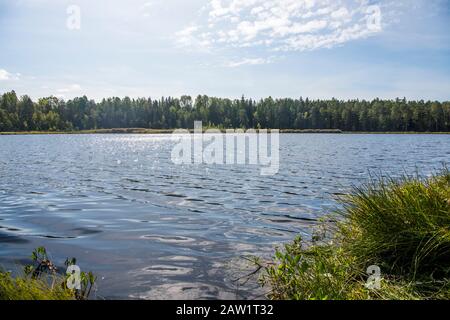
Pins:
x: 403, y: 225
x: 400, y: 225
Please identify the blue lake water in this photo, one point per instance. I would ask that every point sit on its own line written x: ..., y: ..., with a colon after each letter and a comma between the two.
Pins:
x: 155, y: 230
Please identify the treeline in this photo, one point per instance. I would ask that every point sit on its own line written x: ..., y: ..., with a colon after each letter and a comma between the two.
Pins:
x: 53, y: 114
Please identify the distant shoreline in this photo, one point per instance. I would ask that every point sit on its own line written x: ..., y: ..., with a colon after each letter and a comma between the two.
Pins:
x: 169, y: 131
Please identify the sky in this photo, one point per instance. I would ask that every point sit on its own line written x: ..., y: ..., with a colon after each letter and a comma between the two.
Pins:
x: 345, y: 49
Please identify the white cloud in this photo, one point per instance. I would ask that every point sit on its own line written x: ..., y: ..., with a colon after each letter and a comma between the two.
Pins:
x: 281, y: 25
x: 5, y: 75
x: 247, y: 61
x: 186, y: 37
x: 341, y: 13
x: 189, y: 38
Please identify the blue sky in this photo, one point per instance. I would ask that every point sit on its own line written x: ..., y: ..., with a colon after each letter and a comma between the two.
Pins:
x: 282, y: 48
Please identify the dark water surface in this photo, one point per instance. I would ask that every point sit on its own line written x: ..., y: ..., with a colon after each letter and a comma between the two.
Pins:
x: 152, y: 229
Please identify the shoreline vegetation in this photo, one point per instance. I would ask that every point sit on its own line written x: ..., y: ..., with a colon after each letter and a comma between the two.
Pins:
x: 153, y: 131
x: 390, y: 240
x: 169, y: 131
x: 42, y: 280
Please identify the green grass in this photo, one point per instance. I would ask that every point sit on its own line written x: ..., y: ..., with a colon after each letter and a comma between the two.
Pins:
x: 400, y: 225
x: 41, y: 281
x: 24, y: 288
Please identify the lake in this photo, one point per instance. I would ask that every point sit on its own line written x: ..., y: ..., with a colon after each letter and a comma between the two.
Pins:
x: 151, y: 229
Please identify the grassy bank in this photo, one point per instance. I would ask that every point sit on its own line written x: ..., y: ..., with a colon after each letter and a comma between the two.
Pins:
x: 400, y: 226
x: 25, y: 288
x: 42, y: 280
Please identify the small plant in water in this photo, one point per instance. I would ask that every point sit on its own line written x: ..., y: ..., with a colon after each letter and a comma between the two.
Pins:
x: 43, y: 264
x: 86, y: 281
